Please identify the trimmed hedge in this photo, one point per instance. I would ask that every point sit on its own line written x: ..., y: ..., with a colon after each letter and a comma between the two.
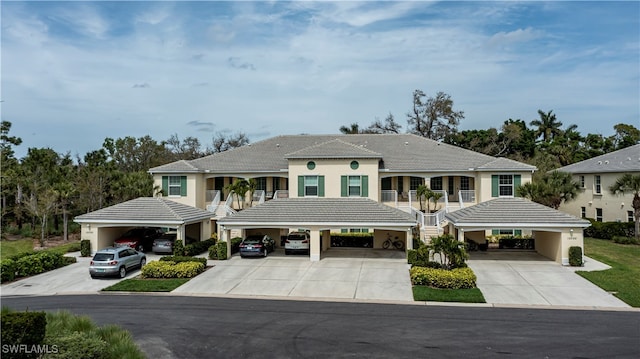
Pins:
x: 168, y: 269
x: 624, y: 240
x: 23, y: 328
x: 178, y: 248
x: 85, y: 248
x: 29, y: 264
x: 608, y: 230
x: 79, y: 345
x: 200, y: 247
x: 458, y: 278
x: 575, y: 256
x: 180, y: 259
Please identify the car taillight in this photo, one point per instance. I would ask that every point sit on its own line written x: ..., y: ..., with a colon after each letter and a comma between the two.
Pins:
x: 91, y: 263
x: 112, y: 263
x: 286, y: 241
x: 257, y: 246
x: 305, y: 241
x: 243, y: 246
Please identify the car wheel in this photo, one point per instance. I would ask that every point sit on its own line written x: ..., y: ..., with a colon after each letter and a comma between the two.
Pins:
x: 286, y: 252
x: 93, y: 276
x: 143, y: 261
x: 266, y: 252
x: 123, y: 272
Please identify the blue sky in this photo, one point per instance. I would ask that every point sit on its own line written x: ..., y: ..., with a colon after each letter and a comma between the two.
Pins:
x: 74, y: 73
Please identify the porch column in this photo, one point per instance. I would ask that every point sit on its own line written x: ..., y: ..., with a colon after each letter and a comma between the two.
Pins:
x: 427, y: 181
x: 314, y: 254
x: 227, y: 237
x: 409, y: 237
x: 461, y: 235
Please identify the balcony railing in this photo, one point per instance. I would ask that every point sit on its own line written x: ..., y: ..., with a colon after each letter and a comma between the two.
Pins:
x: 281, y: 193
x: 466, y: 196
x: 212, y: 197
x: 389, y: 196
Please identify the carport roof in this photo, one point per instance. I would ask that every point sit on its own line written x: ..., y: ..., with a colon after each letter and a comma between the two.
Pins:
x: 513, y: 213
x: 346, y: 212
x: 155, y: 210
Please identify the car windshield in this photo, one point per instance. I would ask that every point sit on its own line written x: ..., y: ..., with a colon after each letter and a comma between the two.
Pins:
x: 103, y: 257
x: 297, y: 237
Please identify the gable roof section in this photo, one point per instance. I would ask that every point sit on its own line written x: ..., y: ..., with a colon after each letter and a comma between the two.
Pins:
x: 321, y: 211
x: 334, y: 149
x: 146, y: 210
x: 624, y: 160
x: 398, y: 152
x: 182, y: 166
x: 513, y: 213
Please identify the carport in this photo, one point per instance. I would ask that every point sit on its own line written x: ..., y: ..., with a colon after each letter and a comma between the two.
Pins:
x: 319, y: 216
x: 103, y: 226
x: 553, y: 231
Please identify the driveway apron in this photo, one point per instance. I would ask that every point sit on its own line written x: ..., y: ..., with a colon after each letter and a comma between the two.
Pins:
x: 341, y: 274
x: 527, y: 278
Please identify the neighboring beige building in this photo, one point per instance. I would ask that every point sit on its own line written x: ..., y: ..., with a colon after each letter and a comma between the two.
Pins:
x: 596, y: 175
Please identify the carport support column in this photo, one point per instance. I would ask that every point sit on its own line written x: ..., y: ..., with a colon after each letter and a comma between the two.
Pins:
x: 314, y: 254
x: 409, y: 237
x: 227, y: 237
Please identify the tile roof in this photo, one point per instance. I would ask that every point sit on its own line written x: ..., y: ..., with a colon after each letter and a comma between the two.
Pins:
x: 624, y: 160
x: 321, y: 211
x: 146, y: 209
x: 513, y: 211
x: 398, y: 152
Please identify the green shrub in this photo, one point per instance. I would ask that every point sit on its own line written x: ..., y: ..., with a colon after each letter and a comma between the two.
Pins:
x: 23, y: 328
x: 221, y: 248
x: 85, y: 248
x: 196, y: 248
x: 412, y: 256
x: 235, y: 244
x: 624, y: 240
x: 357, y: 240
x: 178, y: 248
x: 213, y: 252
x: 608, y: 230
x: 575, y: 256
x: 427, y: 264
x: 180, y: 259
x: 78, y: 345
x: 7, y: 270
x: 458, y: 278
x: 168, y: 269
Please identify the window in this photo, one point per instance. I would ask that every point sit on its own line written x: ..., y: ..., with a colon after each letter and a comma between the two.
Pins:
x: 506, y: 186
x: 583, y: 212
x: 386, y: 184
x: 597, y: 184
x: 581, y: 181
x: 436, y: 183
x: 311, y: 165
x: 354, y: 165
x: 354, y: 186
x: 451, y: 185
x: 174, y: 185
x: 415, y: 182
x: 599, y: 214
x: 310, y: 186
x: 464, y: 183
x: 630, y: 216
x: 261, y: 183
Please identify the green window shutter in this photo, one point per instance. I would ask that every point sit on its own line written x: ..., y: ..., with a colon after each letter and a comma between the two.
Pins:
x: 495, y: 181
x: 344, y: 186
x: 517, y: 179
x: 517, y: 232
x: 165, y: 185
x: 365, y: 186
x: 495, y: 232
x: 300, y: 186
x: 344, y: 230
x: 183, y: 186
x: 320, y: 186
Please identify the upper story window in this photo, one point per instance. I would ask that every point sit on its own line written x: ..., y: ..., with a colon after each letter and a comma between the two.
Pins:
x: 464, y: 183
x: 311, y: 165
x: 354, y: 165
x: 597, y: 184
x: 599, y: 214
x: 583, y: 212
x: 310, y: 186
x: 174, y: 185
x: 506, y: 186
x: 415, y: 182
x: 630, y: 216
x: 436, y: 183
x: 354, y: 186
x: 581, y: 181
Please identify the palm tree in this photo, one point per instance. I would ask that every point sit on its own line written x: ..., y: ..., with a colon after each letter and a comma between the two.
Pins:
x: 548, y: 126
x: 423, y: 192
x: 451, y: 251
x: 551, y: 190
x: 239, y: 188
x: 629, y: 183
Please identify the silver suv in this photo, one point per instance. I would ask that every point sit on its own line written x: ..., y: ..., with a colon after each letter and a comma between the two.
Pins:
x: 297, y: 242
x: 114, y: 261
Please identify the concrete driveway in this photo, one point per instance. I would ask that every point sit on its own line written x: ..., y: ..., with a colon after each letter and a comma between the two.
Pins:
x: 527, y: 278
x: 347, y: 274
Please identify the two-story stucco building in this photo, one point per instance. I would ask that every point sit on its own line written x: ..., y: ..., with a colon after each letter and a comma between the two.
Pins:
x: 365, y: 182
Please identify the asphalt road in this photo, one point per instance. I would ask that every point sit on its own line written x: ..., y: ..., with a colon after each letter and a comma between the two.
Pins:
x: 204, y: 327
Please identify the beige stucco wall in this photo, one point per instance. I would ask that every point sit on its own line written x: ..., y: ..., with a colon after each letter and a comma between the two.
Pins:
x: 614, y: 207
x: 381, y: 235
x: 555, y: 245
x: 100, y: 237
x: 332, y: 170
x: 196, y: 187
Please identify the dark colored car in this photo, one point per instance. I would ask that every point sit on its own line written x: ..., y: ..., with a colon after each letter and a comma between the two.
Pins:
x: 114, y: 261
x: 257, y: 245
x: 140, y: 238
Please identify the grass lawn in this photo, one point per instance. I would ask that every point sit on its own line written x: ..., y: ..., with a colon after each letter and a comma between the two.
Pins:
x: 424, y: 293
x: 623, y: 279
x: 10, y: 248
x: 147, y: 285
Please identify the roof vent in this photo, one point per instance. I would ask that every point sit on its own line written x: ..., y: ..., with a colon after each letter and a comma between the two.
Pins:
x: 606, y: 162
x: 277, y: 145
x: 406, y: 143
x: 599, y: 162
